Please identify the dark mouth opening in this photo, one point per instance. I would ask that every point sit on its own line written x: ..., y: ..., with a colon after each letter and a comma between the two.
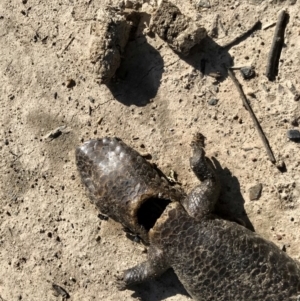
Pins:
x: 150, y: 211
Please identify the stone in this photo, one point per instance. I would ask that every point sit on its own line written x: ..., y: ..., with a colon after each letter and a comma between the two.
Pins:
x: 255, y: 192
x: 179, y: 31
x: 213, y: 101
x: 247, y: 72
x: 293, y: 135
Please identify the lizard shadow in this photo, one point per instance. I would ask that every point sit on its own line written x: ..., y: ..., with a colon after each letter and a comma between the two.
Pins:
x: 231, y: 202
x: 159, y: 289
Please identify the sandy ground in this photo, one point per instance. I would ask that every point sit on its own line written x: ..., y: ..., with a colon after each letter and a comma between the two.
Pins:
x: 50, y: 232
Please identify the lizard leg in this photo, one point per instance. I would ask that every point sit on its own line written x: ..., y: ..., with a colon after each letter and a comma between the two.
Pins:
x: 153, y: 267
x: 202, y: 199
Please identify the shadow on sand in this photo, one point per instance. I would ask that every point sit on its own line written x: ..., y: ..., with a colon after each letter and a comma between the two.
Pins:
x: 138, y: 78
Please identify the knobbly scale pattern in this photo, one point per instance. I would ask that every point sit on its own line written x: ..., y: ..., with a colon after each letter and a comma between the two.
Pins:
x: 215, y: 259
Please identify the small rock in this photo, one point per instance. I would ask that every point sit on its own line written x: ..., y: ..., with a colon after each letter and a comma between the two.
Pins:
x: 255, y: 192
x: 213, y: 102
x: 58, y: 290
x: 283, y: 248
x: 70, y: 83
x: 279, y: 237
x: 57, y: 132
x: 91, y: 99
x: 202, y: 3
x: 297, y: 97
x: 179, y: 31
x: 247, y: 72
x: 293, y: 135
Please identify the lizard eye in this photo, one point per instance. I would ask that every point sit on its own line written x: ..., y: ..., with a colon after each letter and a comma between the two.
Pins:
x: 150, y: 211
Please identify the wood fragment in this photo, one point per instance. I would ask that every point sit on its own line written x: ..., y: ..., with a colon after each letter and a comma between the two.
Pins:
x: 242, y: 36
x: 266, y: 26
x: 67, y: 46
x: 276, y: 47
x: 254, y: 119
x: 57, y: 132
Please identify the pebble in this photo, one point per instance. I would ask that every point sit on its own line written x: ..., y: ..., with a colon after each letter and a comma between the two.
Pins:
x: 60, y: 291
x: 247, y: 72
x: 91, y: 99
x: 70, y: 83
x: 202, y: 3
x: 255, y: 192
x: 213, y: 101
x: 293, y: 135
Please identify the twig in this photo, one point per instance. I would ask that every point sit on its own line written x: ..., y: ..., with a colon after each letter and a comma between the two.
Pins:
x: 254, y: 119
x: 67, y: 46
x: 278, y: 39
x: 242, y: 36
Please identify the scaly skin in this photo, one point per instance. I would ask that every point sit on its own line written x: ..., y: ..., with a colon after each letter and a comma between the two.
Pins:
x: 214, y: 259
x: 119, y: 181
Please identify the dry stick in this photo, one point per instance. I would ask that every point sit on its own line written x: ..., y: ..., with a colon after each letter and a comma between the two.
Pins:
x: 67, y: 46
x: 254, y: 119
x: 255, y: 26
x: 278, y: 39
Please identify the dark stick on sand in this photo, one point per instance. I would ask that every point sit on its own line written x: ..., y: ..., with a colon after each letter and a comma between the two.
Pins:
x: 254, y: 119
x: 243, y: 36
x: 276, y: 47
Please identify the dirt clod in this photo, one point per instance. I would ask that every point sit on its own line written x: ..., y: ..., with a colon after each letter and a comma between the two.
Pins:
x: 109, y: 37
x: 180, y: 32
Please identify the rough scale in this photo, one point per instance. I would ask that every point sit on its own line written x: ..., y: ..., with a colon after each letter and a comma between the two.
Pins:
x: 214, y: 259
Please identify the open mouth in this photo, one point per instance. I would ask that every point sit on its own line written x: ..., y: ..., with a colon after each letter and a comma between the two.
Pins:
x: 150, y: 211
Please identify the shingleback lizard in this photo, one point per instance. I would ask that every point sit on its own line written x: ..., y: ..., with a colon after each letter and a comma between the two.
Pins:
x: 215, y: 259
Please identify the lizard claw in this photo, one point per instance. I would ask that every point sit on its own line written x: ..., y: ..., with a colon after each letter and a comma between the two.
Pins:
x: 120, y: 282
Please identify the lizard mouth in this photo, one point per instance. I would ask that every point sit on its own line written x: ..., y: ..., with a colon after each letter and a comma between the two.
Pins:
x: 150, y: 211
